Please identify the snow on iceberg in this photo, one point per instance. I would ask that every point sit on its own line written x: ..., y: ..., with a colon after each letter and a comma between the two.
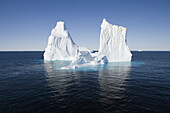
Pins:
x: 113, y: 47
x: 113, y: 43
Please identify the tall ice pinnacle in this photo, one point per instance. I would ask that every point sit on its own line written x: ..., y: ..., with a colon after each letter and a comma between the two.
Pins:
x: 113, y: 43
x: 60, y: 44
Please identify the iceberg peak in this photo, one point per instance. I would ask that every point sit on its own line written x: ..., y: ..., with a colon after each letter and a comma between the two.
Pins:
x: 113, y: 43
x: 60, y: 44
x: 105, y: 24
x: 60, y: 26
x: 104, y: 20
x: 60, y: 30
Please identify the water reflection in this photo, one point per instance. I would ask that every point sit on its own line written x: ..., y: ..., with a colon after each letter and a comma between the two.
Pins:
x: 112, y: 82
x: 57, y: 80
x: 98, y: 85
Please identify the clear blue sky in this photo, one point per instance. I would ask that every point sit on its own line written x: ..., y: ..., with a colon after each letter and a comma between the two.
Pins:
x: 27, y: 24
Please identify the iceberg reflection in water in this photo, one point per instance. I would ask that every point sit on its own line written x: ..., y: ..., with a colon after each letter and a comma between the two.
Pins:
x: 88, y: 88
x: 30, y: 84
x: 112, y: 82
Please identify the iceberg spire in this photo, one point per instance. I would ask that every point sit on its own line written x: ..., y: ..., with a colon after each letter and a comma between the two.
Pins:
x: 60, y: 44
x: 113, y: 43
x: 104, y: 20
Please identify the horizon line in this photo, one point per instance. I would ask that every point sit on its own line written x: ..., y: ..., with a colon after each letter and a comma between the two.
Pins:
x: 44, y: 50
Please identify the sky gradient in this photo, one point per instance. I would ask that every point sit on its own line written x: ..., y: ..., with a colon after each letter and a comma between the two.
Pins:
x: 25, y: 25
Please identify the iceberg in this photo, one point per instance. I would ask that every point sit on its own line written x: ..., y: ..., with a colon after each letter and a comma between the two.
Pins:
x: 113, y: 47
x: 60, y: 44
x: 113, y: 43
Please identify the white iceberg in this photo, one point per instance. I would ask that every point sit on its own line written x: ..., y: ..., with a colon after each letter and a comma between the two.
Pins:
x: 60, y: 44
x: 113, y: 43
x: 113, y: 47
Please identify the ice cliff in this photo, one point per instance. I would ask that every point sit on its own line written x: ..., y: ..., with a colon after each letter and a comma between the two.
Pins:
x: 60, y: 44
x: 113, y: 43
x: 113, y: 47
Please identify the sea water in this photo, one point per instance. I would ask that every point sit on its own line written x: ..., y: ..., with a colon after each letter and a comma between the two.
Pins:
x: 30, y: 84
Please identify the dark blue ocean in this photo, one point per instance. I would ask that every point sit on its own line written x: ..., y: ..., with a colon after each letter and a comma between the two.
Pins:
x: 30, y: 85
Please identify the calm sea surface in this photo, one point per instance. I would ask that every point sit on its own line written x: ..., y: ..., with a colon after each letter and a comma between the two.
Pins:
x: 30, y: 85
